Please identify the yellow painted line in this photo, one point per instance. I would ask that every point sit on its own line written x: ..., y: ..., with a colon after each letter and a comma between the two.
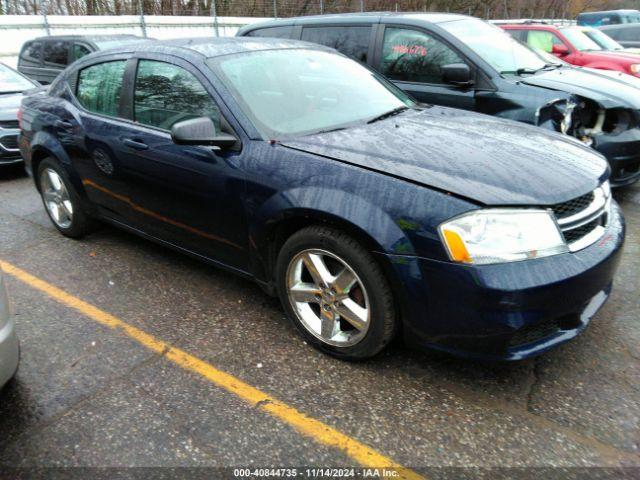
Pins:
x: 315, y: 429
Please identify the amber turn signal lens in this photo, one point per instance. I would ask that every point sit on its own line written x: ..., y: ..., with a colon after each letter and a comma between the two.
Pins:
x: 457, y: 249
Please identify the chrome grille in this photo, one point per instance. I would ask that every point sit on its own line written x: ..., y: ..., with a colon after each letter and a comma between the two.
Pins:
x: 9, y: 142
x: 9, y: 124
x: 572, y: 207
x: 583, y: 219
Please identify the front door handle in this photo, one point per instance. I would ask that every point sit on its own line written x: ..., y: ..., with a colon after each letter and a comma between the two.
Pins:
x: 135, y: 144
x: 63, y: 124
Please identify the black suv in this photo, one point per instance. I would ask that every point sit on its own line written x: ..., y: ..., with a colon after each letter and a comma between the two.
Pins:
x: 44, y: 58
x: 464, y: 62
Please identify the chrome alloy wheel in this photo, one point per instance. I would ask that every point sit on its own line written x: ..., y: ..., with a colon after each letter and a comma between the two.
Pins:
x: 56, y: 198
x: 328, y: 297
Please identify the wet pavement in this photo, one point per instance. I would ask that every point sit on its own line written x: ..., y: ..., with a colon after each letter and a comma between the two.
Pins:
x: 89, y: 396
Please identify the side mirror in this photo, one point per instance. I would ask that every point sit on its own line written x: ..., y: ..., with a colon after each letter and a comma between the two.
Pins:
x: 200, y: 131
x: 457, y: 74
x: 560, y: 50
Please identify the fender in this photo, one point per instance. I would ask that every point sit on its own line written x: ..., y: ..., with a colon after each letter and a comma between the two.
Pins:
x: 44, y: 142
x: 312, y: 204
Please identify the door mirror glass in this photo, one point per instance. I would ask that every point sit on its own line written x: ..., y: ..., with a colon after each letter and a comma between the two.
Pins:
x: 560, y: 50
x: 457, y: 74
x: 200, y: 131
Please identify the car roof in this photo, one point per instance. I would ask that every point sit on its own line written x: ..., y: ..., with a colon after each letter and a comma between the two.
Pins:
x: 628, y: 10
x: 217, y: 46
x: 372, y: 17
x: 528, y: 26
x: 90, y: 38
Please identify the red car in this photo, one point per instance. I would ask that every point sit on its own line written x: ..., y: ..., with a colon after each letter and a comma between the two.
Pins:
x: 579, y: 46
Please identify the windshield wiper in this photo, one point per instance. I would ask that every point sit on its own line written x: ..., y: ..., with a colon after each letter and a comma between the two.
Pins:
x: 388, y: 114
x: 327, y: 130
x: 546, y: 66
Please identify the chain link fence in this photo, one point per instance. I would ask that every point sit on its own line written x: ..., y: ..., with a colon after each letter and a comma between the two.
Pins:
x: 170, y: 18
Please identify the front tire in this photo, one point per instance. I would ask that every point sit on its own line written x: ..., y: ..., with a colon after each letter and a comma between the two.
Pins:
x: 61, y: 201
x: 335, y: 293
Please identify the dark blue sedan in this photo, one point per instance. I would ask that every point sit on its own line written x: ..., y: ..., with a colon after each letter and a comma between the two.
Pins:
x: 368, y: 214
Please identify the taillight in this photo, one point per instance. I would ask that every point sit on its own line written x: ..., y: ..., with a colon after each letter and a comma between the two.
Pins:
x: 20, y: 117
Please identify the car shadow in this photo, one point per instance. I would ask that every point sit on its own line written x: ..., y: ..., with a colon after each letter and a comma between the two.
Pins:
x: 492, y: 378
x: 12, y: 172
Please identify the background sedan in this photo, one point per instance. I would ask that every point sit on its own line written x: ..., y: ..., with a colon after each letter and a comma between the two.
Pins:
x: 13, y: 87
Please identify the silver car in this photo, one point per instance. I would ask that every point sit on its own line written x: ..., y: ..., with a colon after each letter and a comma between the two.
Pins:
x: 9, y: 351
x: 13, y: 87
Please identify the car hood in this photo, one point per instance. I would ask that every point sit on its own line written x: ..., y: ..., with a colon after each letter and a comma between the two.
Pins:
x: 485, y: 159
x: 610, y: 91
x: 9, y: 105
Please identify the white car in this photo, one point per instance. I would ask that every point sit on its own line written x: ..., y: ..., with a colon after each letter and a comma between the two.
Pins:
x: 9, y: 349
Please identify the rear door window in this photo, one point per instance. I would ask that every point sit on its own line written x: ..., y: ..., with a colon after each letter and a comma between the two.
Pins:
x: 100, y: 86
x: 351, y: 40
x: 56, y: 53
x: 273, y: 32
x: 415, y: 56
x: 32, y: 52
x: 166, y: 94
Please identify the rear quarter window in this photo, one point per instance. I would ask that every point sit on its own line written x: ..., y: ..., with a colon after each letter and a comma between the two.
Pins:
x: 350, y: 40
x: 99, y: 87
x: 31, y: 52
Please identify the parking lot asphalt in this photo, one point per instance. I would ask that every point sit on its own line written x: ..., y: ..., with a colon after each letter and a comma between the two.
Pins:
x: 93, y: 396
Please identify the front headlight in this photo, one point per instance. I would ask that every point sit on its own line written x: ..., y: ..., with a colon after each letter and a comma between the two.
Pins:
x: 502, y: 235
x: 635, y: 68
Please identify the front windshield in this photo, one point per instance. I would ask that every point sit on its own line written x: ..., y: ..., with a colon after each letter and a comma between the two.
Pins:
x: 12, y: 81
x: 288, y: 93
x: 549, y: 58
x: 602, y: 39
x: 580, y: 40
x: 494, y: 45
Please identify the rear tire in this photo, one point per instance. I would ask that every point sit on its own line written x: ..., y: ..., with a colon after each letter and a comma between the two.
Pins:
x: 61, y: 200
x: 335, y: 293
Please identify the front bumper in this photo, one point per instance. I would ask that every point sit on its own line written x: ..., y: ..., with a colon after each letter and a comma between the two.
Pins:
x: 623, y: 154
x: 508, y: 311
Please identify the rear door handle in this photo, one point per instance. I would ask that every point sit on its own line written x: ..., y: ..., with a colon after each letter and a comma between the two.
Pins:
x: 63, y: 124
x: 135, y: 144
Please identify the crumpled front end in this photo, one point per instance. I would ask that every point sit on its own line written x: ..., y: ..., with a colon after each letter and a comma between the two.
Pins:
x: 613, y: 132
